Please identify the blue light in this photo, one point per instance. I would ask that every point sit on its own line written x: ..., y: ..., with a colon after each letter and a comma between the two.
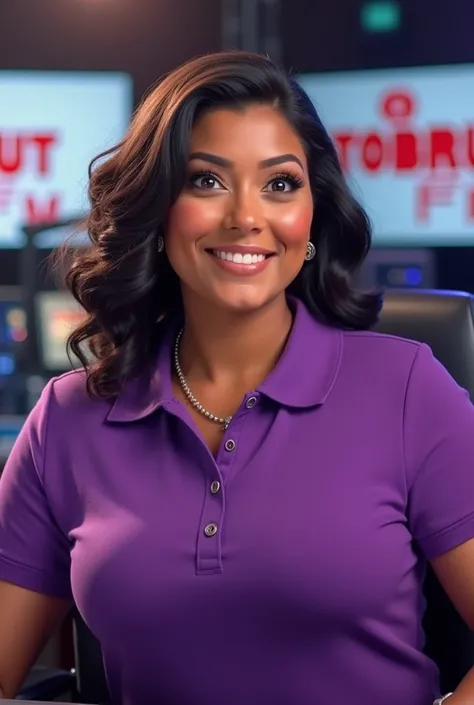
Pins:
x: 413, y: 276
x: 7, y: 364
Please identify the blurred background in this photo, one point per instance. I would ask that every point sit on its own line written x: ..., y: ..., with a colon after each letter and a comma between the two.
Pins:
x: 394, y: 83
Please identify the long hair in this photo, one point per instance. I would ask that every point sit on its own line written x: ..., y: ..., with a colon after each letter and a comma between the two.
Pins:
x: 126, y: 286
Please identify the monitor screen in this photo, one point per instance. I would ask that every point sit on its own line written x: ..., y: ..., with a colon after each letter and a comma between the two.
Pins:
x: 51, y: 125
x: 406, y: 141
x: 57, y: 315
x: 12, y: 324
x: 13, y: 330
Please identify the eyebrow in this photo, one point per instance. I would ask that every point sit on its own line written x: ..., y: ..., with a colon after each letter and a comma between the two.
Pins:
x: 264, y: 164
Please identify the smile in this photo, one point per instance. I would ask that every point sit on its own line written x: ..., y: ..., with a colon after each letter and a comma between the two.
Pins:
x: 239, y: 257
x: 241, y: 263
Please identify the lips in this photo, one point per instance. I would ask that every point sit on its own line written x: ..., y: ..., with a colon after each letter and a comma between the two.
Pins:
x: 240, y: 257
x: 240, y: 261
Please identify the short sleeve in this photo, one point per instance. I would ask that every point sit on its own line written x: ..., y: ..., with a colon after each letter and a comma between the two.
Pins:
x: 34, y: 553
x: 439, y: 454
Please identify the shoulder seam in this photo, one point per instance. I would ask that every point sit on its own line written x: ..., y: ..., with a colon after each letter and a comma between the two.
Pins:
x: 405, y: 400
x: 47, y: 415
x: 45, y: 430
x: 376, y: 334
x: 65, y: 374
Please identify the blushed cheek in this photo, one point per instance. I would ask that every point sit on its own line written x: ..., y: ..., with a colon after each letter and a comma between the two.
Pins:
x: 190, y: 219
x: 294, y: 226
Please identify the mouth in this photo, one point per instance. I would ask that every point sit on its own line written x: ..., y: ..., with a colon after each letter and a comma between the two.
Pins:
x: 241, y: 257
x: 242, y: 262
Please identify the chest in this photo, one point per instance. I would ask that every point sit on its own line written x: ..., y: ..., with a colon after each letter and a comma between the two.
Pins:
x: 290, y: 508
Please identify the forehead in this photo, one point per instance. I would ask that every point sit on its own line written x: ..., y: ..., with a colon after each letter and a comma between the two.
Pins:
x: 259, y: 131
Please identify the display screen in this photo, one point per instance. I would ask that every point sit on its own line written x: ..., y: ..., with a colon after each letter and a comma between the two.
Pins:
x: 51, y: 125
x: 406, y: 141
x: 57, y: 315
x: 13, y: 331
x: 12, y: 324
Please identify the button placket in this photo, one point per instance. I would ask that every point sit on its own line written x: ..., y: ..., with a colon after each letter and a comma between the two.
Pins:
x: 209, y: 555
x: 228, y: 454
x: 211, y: 528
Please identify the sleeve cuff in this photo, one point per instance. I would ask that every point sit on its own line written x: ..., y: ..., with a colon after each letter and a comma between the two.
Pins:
x: 451, y: 537
x: 31, y: 578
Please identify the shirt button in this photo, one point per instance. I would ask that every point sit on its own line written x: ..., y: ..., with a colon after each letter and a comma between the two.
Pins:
x: 215, y: 486
x: 251, y: 401
x: 210, y: 530
x: 230, y: 445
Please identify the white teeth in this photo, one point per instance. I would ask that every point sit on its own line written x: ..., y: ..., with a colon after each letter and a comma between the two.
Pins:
x: 238, y: 257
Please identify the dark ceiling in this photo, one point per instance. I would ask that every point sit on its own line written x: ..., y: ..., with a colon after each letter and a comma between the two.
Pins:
x: 142, y: 37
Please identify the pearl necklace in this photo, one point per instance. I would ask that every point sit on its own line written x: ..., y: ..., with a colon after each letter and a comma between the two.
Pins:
x: 223, y: 421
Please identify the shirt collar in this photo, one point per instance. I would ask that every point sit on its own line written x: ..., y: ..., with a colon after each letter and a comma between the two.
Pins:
x: 310, y: 362
x: 151, y: 389
x: 303, y: 377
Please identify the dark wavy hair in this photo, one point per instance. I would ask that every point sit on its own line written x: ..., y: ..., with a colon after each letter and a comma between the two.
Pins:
x: 122, y: 282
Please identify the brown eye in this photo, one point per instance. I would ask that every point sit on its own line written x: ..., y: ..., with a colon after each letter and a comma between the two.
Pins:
x: 205, y: 181
x: 284, y: 183
x: 279, y: 185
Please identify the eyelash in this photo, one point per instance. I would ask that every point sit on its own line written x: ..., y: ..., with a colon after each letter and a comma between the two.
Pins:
x: 293, y: 179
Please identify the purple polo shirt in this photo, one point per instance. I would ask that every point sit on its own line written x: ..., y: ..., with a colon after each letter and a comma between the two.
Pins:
x: 287, y: 571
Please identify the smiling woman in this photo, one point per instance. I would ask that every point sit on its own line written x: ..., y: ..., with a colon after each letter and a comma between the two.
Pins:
x: 221, y: 155
x: 243, y: 505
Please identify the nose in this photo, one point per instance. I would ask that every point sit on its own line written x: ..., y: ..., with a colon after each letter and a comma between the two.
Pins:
x: 245, y: 214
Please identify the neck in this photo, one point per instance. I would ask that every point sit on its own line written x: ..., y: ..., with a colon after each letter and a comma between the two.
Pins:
x: 231, y: 348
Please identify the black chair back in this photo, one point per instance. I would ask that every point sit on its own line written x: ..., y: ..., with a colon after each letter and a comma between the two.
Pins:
x: 91, y: 683
x: 445, y: 321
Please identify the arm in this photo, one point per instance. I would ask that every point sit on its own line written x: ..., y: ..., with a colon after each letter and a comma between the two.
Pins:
x: 455, y: 572
x: 439, y: 459
x: 35, y: 590
x: 27, y: 620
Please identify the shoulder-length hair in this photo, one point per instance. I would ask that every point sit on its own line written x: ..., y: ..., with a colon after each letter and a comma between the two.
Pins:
x: 122, y: 281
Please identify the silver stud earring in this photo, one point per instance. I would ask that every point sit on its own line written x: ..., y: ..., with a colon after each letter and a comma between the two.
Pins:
x: 160, y: 244
x: 310, y: 251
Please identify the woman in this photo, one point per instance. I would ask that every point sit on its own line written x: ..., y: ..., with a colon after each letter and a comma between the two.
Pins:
x: 241, y: 492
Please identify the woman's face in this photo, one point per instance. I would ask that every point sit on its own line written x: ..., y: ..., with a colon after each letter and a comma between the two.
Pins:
x: 237, y: 234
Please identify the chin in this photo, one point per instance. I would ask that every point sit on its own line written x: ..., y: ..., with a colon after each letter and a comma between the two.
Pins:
x: 243, y: 301
x: 242, y: 306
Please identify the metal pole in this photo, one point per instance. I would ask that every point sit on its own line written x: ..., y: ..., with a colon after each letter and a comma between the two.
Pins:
x: 249, y: 25
x: 252, y: 25
x: 230, y: 24
x: 271, y: 29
